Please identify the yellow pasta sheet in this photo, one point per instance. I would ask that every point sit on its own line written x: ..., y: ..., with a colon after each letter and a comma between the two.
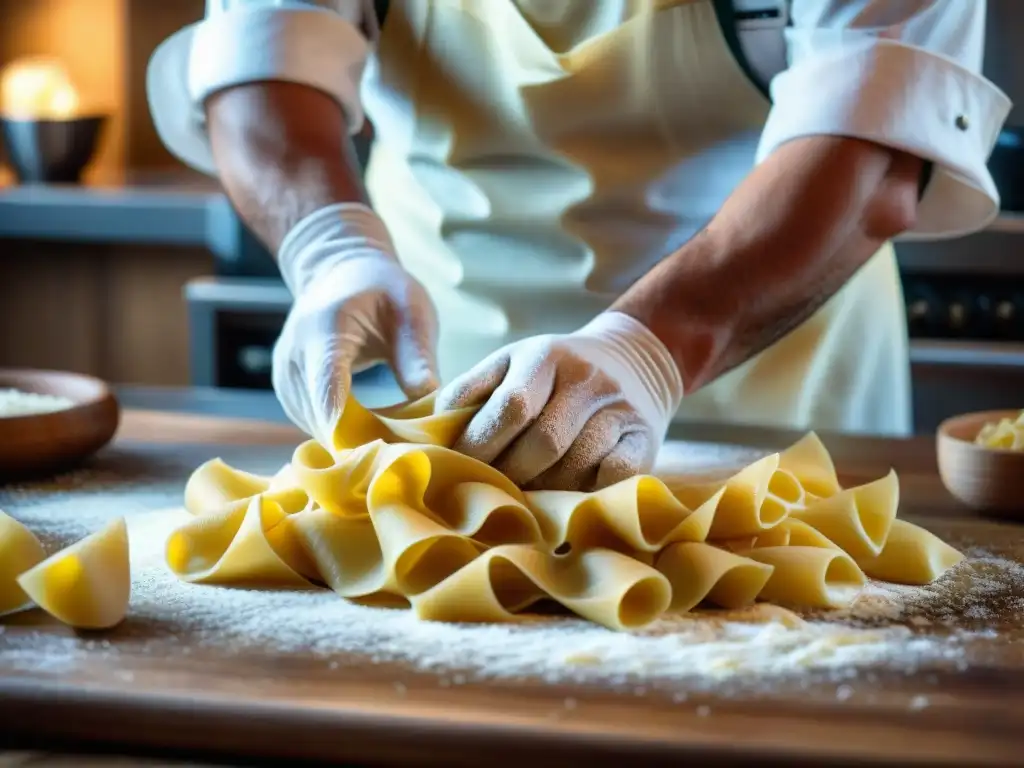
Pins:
x: 87, y: 585
x: 19, y: 551
x: 389, y: 514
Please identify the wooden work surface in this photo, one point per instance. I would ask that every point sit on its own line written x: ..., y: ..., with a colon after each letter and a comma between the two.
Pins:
x: 252, y: 705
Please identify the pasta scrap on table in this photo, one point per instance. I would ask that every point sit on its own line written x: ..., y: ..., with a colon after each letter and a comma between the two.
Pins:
x: 20, y: 550
x: 86, y: 585
x: 390, y: 514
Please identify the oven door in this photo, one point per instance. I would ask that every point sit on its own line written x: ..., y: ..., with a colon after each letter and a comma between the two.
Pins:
x: 233, y: 324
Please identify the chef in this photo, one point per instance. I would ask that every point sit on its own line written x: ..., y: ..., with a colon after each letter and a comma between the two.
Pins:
x: 584, y: 216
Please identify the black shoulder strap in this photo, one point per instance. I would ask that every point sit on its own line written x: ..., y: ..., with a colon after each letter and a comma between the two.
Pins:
x: 380, y: 7
x: 728, y: 20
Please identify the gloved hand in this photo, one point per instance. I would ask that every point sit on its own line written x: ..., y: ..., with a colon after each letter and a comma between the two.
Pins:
x: 354, y: 306
x: 571, y: 412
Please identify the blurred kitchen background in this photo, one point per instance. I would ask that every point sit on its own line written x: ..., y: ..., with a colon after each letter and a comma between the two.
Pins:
x: 142, y: 275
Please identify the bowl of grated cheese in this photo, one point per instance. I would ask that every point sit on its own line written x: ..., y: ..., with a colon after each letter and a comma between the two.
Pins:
x: 51, y: 420
x: 981, y: 460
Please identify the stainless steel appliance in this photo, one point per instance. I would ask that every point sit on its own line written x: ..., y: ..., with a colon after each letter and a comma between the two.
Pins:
x: 233, y: 323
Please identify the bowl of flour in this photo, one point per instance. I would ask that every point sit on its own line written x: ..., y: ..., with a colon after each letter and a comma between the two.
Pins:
x: 52, y: 420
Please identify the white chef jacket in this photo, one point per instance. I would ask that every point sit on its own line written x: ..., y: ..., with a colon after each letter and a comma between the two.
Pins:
x: 905, y: 75
x: 896, y: 73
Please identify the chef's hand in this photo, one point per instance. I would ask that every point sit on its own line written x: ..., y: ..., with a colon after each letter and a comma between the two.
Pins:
x: 571, y: 412
x: 354, y: 306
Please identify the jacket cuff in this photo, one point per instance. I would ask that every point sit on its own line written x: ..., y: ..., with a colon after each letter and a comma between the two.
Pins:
x: 313, y: 47
x: 909, y: 99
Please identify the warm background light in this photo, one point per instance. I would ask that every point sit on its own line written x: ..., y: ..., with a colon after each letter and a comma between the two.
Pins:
x: 37, y: 89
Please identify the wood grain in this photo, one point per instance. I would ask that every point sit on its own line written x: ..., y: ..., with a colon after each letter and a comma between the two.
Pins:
x: 147, y: 24
x: 145, y: 334
x: 254, y: 705
x: 116, y: 312
x: 161, y: 427
x: 67, y: 336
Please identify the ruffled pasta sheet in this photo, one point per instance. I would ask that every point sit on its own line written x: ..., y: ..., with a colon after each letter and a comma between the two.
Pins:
x: 391, y: 515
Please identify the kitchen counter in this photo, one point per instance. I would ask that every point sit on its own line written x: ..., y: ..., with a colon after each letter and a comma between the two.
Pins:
x: 181, y: 207
x: 174, y: 208
x: 373, y: 391
x: 209, y: 401
x: 194, y: 703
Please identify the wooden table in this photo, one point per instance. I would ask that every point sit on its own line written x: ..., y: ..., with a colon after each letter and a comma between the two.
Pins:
x: 243, y: 708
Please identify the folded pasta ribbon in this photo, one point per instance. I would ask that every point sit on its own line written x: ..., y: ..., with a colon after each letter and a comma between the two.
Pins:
x: 86, y: 585
x: 389, y: 514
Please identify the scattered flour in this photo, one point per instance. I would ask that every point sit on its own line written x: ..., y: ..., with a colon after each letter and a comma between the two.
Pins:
x: 978, y: 590
x: 676, y: 654
x: 14, y: 402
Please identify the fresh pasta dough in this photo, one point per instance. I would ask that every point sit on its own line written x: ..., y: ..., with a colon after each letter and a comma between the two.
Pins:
x: 87, y: 585
x: 699, y: 571
x: 858, y: 519
x: 250, y: 542
x: 809, y: 576
x: 1005, y: 434
x: 911, y: 555
x: 19, y: 551
x: 389, y: 514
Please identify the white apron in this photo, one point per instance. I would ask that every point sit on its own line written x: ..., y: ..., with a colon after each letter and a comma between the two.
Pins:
x: 534, y: 157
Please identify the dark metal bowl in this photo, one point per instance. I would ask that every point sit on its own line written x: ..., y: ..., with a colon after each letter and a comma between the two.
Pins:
x: 50, y: 150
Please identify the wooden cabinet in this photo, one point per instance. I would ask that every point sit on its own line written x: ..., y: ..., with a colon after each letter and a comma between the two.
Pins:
x: 112, y: 311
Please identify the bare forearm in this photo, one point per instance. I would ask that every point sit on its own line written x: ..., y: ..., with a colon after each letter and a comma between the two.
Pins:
x: 282, y: 153
x: 786, y: 241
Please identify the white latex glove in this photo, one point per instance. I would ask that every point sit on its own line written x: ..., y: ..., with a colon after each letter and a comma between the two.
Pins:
x: 354, y: 306
x: 571, y: 412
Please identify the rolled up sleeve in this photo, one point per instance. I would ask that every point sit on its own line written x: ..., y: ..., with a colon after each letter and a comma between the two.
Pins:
x: 320, y: 43
x: 905, y: 75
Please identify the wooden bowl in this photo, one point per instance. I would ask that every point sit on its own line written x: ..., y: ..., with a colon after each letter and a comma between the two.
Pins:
x: 987, y: 479
x: 36, y: 444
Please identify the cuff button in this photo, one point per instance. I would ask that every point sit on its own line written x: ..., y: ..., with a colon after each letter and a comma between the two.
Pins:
x: 962, y: 122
